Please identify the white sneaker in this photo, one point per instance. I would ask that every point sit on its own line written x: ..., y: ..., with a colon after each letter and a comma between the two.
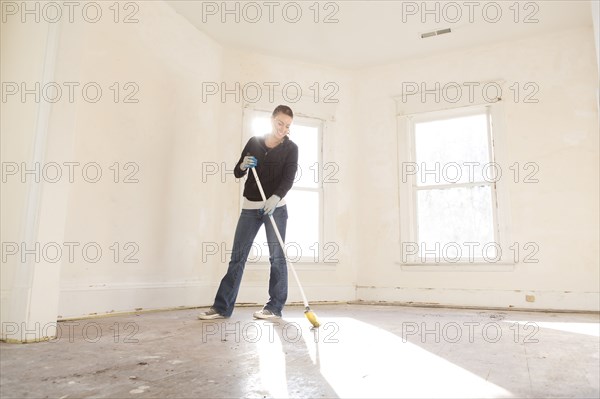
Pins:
x: 265, y: 314
x: 210, y: 314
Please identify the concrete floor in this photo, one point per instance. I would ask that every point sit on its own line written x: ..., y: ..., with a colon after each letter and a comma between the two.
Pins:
x: 359, y: 351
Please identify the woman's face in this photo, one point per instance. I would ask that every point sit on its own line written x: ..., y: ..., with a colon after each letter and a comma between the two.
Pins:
x: 281, y: 125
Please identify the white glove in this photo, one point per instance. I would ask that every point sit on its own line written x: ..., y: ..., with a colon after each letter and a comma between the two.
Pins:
x: 248, y: 162
x: 271, y: 204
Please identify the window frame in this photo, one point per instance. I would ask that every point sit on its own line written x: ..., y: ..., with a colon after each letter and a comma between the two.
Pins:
x: 248, y: 116
x: 407, y: 193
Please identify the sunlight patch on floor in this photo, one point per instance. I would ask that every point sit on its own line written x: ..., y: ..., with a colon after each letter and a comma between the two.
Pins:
x: 361, y: 360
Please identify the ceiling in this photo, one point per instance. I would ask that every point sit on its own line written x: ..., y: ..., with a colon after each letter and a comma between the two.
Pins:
x: 370, y: 33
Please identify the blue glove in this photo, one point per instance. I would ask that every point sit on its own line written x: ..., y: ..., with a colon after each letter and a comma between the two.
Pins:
x: 271, y: 204
x: 248, y: 162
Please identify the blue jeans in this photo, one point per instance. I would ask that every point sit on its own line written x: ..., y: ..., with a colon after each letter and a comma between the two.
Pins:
x: 248, y: 225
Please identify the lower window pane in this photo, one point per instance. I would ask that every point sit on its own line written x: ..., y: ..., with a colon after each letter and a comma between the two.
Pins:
x: 456, y: 224
x: 302, y: 232
x: 303, y: 224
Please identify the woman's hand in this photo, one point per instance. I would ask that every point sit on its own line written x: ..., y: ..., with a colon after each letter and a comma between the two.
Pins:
x: 270, y: 204
x: 248, y: 162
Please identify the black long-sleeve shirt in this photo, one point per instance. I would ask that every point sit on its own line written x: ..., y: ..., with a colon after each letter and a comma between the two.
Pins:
x: 276, y: 168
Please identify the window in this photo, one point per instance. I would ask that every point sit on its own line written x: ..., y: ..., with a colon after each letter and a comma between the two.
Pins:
x: 449, y: 179
x: 304, y: 200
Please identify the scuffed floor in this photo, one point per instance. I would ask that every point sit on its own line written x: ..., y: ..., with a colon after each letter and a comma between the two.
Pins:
x: 359, y: 351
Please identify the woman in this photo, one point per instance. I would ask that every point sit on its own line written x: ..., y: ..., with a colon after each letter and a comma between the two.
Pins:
x: 275, y: 158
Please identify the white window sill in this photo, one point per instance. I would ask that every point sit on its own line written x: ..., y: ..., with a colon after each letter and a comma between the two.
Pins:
x: 458, y: 266
x: 300, y: 265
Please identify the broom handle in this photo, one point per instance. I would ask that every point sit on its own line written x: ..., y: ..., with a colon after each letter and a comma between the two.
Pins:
x: 290, y: 265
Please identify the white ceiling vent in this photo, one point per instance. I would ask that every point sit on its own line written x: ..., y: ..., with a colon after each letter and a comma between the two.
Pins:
x: 435, y: 33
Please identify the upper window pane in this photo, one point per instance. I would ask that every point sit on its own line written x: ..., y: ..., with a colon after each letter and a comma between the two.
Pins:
x: 454, y: 150
x: 261, y: 125
x: 307, y: 140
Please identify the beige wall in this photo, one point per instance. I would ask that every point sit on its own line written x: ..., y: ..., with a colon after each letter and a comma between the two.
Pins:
x: 22, y: 60
x: 167, y: 134
x: 560, y: 213
x: 174, y: 214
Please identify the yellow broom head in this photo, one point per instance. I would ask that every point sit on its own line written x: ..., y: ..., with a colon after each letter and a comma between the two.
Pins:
x: 312, y: 317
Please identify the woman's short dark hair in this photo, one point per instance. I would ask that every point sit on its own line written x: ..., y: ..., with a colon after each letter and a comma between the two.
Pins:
x: 284, y: 109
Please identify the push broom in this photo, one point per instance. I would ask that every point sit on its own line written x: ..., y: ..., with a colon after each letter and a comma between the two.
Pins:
x: 310, y: 315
